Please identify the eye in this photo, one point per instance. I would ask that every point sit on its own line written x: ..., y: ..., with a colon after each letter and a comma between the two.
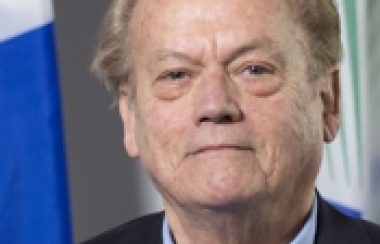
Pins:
x: 172, y: 84
x: 254, y: 69
x: 174, y: 75
x: 258, y: 78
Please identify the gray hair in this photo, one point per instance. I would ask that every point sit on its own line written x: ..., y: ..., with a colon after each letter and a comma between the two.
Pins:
x: 111, y: 62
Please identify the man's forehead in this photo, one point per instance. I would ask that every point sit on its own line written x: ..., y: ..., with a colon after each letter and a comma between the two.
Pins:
x: 155, y: 19
x: 189, y: 52
x: 168, y: 35
x: 166, y: 10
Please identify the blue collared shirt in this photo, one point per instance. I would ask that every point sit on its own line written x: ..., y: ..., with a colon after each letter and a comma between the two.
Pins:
x: 305, y: 236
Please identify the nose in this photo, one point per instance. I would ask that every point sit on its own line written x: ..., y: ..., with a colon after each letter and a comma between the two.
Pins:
x: 215, y: 100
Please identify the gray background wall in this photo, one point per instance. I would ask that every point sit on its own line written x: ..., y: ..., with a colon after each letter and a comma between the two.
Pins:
x: 105, y: 183
x: 108, y: 188
x: 374, y: 100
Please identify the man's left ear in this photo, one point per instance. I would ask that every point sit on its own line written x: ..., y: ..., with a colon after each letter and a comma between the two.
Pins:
x: 330, y: 95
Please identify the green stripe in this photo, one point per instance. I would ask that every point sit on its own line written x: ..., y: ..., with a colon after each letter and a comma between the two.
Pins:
x: 351, y: 18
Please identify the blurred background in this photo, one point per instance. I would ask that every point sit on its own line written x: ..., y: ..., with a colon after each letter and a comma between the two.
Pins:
x: 106, y: 188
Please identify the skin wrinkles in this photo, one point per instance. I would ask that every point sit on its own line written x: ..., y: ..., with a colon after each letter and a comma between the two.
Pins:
x: 225, y: 146
x: 192, y: 69
x: 264, y: 44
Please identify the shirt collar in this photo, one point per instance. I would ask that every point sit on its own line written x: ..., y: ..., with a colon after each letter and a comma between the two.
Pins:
x: 305, y: 236
x: 166, y: 237
x: 307, y: 233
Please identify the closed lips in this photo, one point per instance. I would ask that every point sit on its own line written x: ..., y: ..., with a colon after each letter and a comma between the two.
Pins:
x: 220, y: 147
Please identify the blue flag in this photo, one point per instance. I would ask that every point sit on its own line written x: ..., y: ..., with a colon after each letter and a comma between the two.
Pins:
x: 34, y: 206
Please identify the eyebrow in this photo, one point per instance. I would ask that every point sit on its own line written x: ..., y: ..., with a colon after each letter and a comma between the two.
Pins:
x: 165, y: 54
x: 261, y: 43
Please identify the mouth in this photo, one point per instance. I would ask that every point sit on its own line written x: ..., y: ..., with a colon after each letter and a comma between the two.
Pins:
x: 221, y: 147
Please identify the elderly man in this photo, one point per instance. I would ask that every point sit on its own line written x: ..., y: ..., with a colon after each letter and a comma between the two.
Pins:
x: 227, y: 104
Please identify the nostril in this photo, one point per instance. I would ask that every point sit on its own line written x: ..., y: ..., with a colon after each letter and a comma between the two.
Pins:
x: 223, y: 119
x: 205, y: 119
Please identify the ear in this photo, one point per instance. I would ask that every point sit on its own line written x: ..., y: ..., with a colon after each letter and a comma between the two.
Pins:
x: 330, y: 95
x: 127, y: 114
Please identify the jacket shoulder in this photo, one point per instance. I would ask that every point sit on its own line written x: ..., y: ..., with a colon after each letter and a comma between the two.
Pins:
x: 373, y: 231
x: 146, y: 229
x: 335, y: 227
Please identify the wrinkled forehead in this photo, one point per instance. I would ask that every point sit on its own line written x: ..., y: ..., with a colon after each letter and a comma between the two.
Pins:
x: 185, y: 22
x: 165, y: 11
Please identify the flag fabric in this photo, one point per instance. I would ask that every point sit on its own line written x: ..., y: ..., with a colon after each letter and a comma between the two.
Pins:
x: 34, y: 203
x: 343, y: 179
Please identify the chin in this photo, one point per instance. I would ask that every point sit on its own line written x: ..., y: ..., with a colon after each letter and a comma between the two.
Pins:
x: 225, y: 199
x: 227, y: 190
x: 226, y: 204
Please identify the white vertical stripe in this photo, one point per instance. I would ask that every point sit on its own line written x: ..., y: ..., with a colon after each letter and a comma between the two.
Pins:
x: 362, y: 27
x: 20, y: 16
x: 349, y: 191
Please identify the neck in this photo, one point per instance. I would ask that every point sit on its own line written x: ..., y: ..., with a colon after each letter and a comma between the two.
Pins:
x: 272, y: 222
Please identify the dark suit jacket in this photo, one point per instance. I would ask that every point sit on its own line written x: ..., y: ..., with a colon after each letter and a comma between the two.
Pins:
x: 332, y: 228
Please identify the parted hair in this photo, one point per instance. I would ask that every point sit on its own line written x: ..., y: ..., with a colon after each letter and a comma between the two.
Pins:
x: 319, y: 20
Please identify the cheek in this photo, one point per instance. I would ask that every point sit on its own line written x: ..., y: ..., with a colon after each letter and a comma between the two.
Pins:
x: 160, y: 132
x: 289, y: 130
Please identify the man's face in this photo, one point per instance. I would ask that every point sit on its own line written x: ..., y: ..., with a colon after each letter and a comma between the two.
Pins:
x: 224, y: 111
